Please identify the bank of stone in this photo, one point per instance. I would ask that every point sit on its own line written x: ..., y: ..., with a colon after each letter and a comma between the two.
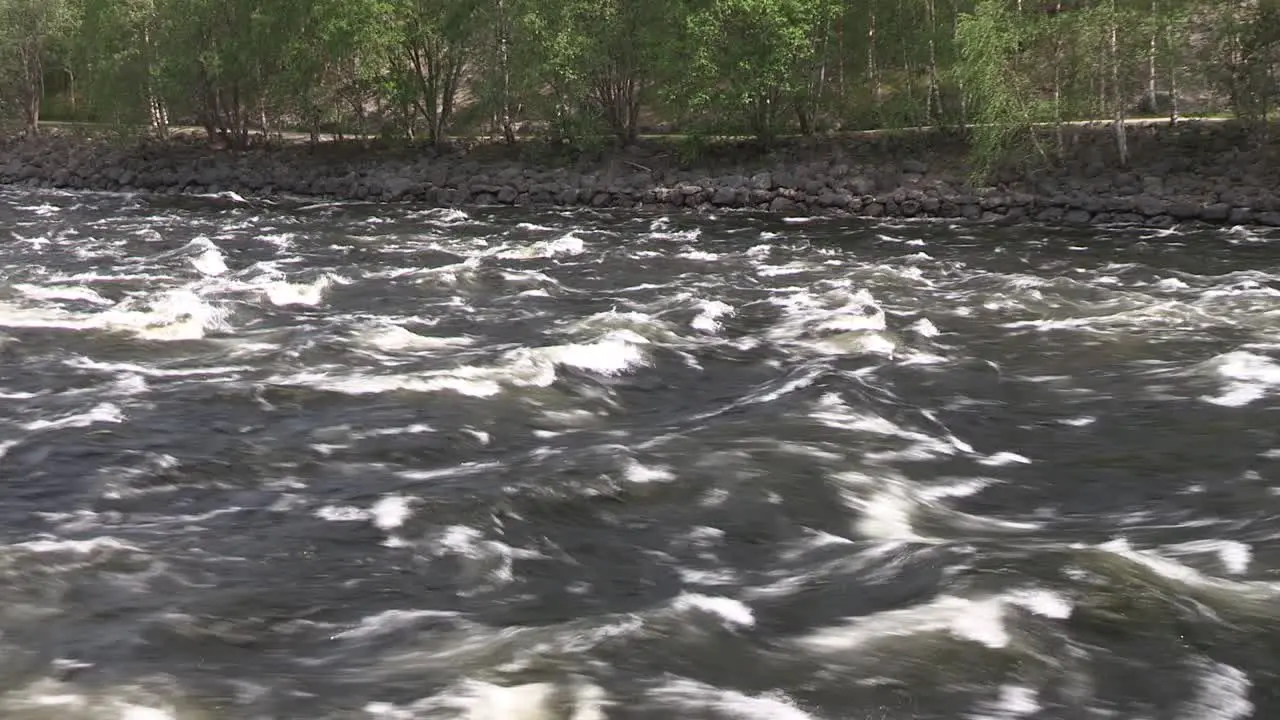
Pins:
x: 1194, y: 172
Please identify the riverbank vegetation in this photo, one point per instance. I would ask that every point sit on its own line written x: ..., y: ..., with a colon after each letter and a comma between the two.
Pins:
x: 591, y: 72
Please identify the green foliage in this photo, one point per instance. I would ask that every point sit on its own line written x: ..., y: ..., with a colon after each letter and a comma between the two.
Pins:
x: 750, y: 61
x: 585, y: 74
x: 33, y: 43
x: 990, y: 39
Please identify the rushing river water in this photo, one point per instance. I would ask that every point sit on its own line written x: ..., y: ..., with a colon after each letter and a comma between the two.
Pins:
x: 350, y: 461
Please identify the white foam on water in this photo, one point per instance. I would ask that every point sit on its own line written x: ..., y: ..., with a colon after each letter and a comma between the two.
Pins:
x: 887, y: 515
x: 924, y: 328
x: 708, y: 318
x: 712, y: 703
x: 282, y: 293
x: 1045, y: 603
x: 1171, y: 283
x: 636, y: 472
x: 391, y: 512
x: 395, y: 338
x: 100, y: 413
x: 178, y: 314
x: 282, y: 240
x: 41, y: 210
x: 979, y: 621
x: 208, y: 259
x: 665, y: 233
x: 563, y: 246
x: 472, y: 381
x: 478, y: 700
x: 61, y: 292
x: 1002, y: 459
x: 730, y: 612
x: 39, y: 317
x: 128, y: 368
x: 140, y: 712
x: 1247, y: 590
x: 887, y: 505
x: 792, y: 268
x: 1235, y: 556
x: 1221, y: 693
x: 412, y: 429
x: 342, y: 513
x: 488, y: 562
x: 1247, y: 378
x: 389, y: 621
x: 44, y: 696
x: 964, y: 487
x: 617, y: 352
x: 832, y: 411
x: 1013, y: 702
x: 103, y: 544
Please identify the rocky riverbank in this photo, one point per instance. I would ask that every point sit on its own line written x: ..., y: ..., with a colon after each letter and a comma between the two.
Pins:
x: 1195, y: 172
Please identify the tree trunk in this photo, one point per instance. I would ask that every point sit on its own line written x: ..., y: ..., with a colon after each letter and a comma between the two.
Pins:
x: 504, y: 61
x: 935, y: 96
x: 32, y: 85
x: 873, y: 72
x: 1122, y: 137
x: 1057, y: 89
x: 1173, y: 81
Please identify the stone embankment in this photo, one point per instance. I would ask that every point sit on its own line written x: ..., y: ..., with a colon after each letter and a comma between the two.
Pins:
x: 1176, y: 175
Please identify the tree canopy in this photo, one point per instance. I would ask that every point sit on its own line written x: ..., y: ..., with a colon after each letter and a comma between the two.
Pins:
x: 593, y: 70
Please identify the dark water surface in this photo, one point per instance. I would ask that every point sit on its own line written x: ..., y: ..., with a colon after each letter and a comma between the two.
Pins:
x: 342, y: 461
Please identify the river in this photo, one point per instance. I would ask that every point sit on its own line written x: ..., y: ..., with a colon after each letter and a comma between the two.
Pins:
x: 289, y: 460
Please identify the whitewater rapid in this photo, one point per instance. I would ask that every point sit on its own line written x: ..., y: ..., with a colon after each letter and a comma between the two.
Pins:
x: 360, y: 461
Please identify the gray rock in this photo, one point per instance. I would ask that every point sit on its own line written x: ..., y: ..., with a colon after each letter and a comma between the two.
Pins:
x: 781, y: 204
x: 1149, y: 206
x: 1184, y: 210
x: 399, y: 187
x: 1216, y: 212
x: 1234, y: 198
x: 1078, y: 216
x: 724, y: 196
x: 828, y: 199
x: 1051, y: 215
x: 861, y: 185
x: 1270, y: 218
x: 914, y: 166
x: 762, y: 181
